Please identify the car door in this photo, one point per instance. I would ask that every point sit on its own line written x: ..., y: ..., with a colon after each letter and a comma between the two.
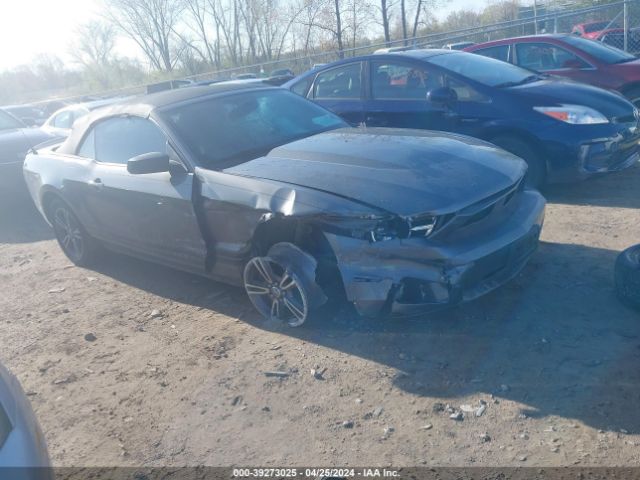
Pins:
x: 339, y: 89
x: 149, y: 214
x: 549, y: 58
x: 471, y: 110
x: 398, y: 97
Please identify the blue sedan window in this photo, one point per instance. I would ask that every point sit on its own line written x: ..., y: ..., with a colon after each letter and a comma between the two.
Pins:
x: 485, y: 70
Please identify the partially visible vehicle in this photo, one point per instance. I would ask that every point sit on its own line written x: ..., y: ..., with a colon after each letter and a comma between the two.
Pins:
x: 564, y: 130
x: 30, y: 115
x: 627, y: 276
x: 60, y: 123
x: 245, y: 76
x: 595, y: 30
x: 392, y: 49
x: 457, y: 46
x: 571, y: 57
x: 23, y: 450
x: 282, y: 72
x: 256, y: 186
x: 15, y: 140
x: 169, y: 85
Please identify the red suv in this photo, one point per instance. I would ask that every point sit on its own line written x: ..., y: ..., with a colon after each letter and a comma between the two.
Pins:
x: 572, y: 57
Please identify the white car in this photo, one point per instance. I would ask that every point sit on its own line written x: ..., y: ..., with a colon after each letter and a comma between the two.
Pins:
x: 61, y: 122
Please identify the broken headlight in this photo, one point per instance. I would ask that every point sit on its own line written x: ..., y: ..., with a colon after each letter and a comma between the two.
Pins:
x: 380, y: 229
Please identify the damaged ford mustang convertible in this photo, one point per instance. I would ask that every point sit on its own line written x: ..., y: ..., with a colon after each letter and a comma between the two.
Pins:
x: 257, y: 187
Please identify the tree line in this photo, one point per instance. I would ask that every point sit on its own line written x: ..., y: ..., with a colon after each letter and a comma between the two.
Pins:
x: 188, y: 37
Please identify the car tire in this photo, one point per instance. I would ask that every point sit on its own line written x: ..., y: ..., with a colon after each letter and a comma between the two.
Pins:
x: 277, y: 292
x: 72, y: 237
x: 633, y: 95
x: 627, y: 276
x: 537, y: 171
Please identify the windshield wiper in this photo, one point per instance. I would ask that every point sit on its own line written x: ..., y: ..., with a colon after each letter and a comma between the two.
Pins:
x: 529, y: 79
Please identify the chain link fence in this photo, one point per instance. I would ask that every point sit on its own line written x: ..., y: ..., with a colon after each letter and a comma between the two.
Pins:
x: 616, y: 24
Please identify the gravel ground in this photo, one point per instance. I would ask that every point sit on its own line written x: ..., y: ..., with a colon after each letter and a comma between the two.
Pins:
x: 174, y: 371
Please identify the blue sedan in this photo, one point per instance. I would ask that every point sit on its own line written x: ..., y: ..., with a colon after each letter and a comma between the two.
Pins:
x: 565, y: 131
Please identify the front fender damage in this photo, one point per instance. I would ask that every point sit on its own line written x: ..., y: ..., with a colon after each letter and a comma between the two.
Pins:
x: 304, y: 266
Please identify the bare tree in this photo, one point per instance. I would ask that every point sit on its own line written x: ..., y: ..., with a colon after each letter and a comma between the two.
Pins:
x: 94, y: 44
x: 151, y: 24
x: 384, y: 12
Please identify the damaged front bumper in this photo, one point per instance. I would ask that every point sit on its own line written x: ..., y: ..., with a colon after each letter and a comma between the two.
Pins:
x: 417, y: 275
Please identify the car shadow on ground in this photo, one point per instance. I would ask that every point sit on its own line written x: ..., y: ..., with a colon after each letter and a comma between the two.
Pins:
x: 555, y: 339
x: 20, y: 221
x: 617, y: 189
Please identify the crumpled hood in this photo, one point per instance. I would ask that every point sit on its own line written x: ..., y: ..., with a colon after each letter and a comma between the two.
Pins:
x: 405, y: 172
x: 556, y: 91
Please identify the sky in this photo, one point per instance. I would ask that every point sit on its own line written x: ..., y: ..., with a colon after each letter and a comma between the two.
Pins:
x: 32, y: 27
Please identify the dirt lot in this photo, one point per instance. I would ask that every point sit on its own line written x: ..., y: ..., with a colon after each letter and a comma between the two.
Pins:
x: 553, y: 355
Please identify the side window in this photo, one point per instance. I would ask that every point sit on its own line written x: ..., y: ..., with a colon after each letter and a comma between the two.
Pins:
x: 464, y: 92
x: 63, y: 119
x: 302, y: 87
x: 88, y: 147
x: 544, y: 56
x: 339, y: 82
x: 401, y: 81
x: 499, y: 52
x: 116, y: 140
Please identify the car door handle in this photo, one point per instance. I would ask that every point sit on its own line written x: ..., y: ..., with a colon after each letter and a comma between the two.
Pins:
x: 97, y: 184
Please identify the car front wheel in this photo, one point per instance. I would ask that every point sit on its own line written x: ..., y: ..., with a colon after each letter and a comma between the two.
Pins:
x: 536, y: 171
x: 275, y: 291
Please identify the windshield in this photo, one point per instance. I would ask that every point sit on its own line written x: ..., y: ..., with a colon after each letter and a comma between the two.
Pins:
x: 8, y: 122
x: 239, y: 127
x: 485, y: 70
x: 604, y: 53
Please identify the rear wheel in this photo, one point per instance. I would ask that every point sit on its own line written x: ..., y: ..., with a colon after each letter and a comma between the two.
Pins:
x: 627, y: 276
x: 73, y: 239
x: 536, y: 171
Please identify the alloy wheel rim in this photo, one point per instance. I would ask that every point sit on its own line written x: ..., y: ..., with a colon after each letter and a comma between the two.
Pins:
x: 275, y: 291
x: 69, y: 233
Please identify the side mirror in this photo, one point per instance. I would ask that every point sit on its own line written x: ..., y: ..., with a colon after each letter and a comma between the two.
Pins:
x: 442, y: 95
x: 154, y: 162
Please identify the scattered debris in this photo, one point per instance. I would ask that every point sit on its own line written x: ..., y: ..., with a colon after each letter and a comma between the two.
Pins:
x: 504, y: 388
x: 622, y: 430
x: 61, y: 381
x: 90, y: 337
x: 236, y: 400
x: 438, y: 407
x: 377, y: 411
x: 386, y: 433
x: 428, y: 426
x: 522, y: 458
x: 348, y: 424
x: 358, y: 401
x: 467, y: 408
x: 318, y: 374
x: 92, y: 279
x: 458, y: 416
x: 266, y: 409
x: 276, y: 373
x: 57, y: 290
x: 484, y: 437
x: 156, y: 314
x: 481, y: 409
